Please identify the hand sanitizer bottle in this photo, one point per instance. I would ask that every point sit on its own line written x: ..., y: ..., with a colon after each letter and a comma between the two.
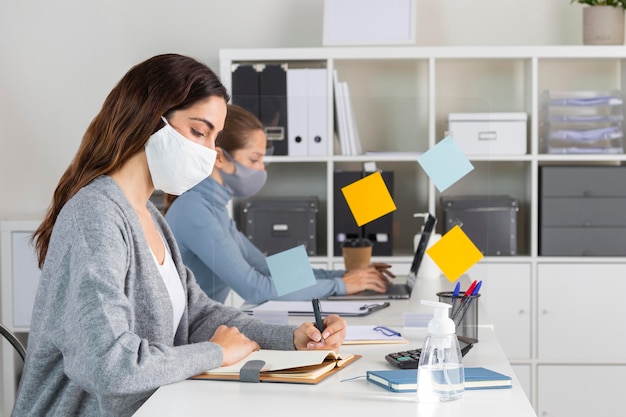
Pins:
x: 440, y: 375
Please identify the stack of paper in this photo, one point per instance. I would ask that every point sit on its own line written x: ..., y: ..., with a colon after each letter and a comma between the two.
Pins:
x: 347, y: 130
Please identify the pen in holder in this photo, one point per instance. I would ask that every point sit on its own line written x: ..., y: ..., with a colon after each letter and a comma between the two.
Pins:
x: 464, y: 313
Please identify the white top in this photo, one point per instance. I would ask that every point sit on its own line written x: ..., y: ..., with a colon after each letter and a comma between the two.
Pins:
x: 171, y: 279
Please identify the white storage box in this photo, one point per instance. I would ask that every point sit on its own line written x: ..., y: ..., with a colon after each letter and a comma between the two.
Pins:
x: 489, y: 133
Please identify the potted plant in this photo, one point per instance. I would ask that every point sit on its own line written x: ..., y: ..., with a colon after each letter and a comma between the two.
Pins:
x: 603, y: 21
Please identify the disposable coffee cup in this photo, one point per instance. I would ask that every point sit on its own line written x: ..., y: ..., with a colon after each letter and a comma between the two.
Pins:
x: 357, y: 253
x: 464, y: 313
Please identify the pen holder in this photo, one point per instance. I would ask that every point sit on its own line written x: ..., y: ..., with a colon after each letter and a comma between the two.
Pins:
x: 464, y: 313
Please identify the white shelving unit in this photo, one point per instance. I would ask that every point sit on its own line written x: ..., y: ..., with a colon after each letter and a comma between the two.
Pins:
x: 18, y: 285
x: 402, y: 97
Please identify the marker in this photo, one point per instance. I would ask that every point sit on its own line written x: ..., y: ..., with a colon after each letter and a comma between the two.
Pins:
x: 319, y: 323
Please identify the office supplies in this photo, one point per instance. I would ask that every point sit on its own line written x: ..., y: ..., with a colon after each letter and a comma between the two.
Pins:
x: 477, y: 288
x: 365, y: 335
x: 368, y: 198
x: 319, y: 323
x: 317, y: 109
x: 454, y: 253
x: 273, y: 106
x: 291, y: 270
x: 400, y: 291
x: 304, y: 308
x: 465, y: 315
x: 445, y: 163
x: 245, y: 87
x: 404, y: 380
x: 294, y: 366
x: 409, y: 359
x: 297, y: 111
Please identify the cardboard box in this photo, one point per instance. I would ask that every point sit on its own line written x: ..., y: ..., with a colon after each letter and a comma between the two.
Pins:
x: 489, y: 133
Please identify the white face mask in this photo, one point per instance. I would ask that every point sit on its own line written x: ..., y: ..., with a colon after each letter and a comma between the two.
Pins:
x: 176, y: 163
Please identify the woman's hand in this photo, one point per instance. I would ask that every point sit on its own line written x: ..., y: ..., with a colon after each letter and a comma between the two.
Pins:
x: 374, y: 277
x: 308, y: 337
x: 235, y: 345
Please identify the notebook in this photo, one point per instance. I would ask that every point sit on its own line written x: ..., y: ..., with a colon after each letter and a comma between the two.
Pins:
x: 296, y: 366
x: 399, y: 291
x: 405, y: 380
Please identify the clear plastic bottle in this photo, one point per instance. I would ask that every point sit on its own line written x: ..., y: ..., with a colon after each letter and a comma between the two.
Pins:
x: 440, y: 376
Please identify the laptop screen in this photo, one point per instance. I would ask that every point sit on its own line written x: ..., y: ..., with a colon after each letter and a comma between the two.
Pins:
x: 429, y: 227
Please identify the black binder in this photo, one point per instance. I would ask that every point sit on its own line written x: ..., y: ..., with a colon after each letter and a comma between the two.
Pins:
x: 273, y: 106
x: 245, y: 88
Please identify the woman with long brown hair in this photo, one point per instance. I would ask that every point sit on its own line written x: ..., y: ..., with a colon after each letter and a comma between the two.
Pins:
x: 117, y: 314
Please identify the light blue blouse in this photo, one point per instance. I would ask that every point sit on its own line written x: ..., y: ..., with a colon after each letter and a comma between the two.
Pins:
x: 222, y: 258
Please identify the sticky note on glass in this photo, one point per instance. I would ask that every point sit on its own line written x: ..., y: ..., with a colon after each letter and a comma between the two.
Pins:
x: 454, y: 253
x: 445, y: 163
x: 368, y: 198
x: 291, y: 270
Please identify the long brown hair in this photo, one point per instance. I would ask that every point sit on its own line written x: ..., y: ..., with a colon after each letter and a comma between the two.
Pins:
x: 131, y: 113
x: 238, y: 126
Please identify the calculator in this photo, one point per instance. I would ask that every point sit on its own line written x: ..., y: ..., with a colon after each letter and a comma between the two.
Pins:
x: 408, y: 359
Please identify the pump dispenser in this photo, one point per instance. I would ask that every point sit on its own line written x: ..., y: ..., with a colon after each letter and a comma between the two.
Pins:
x: 440, y: 375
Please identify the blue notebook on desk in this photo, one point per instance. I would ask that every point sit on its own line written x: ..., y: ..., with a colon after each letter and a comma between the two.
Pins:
x: 405, y: 380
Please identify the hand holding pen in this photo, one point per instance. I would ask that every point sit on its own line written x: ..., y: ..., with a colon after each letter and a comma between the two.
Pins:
x: 330, y: 337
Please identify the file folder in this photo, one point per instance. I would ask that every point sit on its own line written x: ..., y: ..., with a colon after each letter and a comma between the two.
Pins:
x: 317, y: 112
x: 273, y: 106
x: 245, y: 88
x: 307, y: 111
x: 297, y: 111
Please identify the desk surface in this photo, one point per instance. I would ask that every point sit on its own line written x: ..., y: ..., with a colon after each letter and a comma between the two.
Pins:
x: 347, y: 392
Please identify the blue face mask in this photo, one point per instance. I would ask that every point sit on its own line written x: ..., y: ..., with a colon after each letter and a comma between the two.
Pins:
x: 245, y: 181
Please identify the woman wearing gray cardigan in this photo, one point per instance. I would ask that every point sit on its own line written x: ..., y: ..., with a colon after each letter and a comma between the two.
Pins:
x: 117, y: 314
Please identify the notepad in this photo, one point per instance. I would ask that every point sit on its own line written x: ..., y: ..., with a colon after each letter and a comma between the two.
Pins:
x: 297, y: 366
x: 363, y: 335
x: 405, y: 380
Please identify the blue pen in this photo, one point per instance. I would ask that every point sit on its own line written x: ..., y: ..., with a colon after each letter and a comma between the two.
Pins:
x: 317, y: 311
x: 455, y: 298
x: 457, y: 289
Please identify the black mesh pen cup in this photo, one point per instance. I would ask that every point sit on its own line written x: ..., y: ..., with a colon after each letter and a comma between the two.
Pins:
x: 464, y: 313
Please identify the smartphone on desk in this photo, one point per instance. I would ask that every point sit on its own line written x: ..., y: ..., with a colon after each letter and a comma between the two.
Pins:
x: 408, y: 359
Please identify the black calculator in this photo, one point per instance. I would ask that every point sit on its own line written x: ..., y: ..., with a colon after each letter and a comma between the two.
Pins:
x: 408, y: 359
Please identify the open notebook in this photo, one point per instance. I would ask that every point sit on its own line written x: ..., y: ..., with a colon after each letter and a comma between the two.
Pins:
x: 294, y: 366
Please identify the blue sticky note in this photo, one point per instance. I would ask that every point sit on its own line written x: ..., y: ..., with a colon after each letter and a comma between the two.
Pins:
x: 291, y: 270
x: 445, y: 163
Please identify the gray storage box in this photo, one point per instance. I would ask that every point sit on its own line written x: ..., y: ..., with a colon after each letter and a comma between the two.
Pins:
x: 583, y: 211
x: 490, y: 222
x: 275, y: 225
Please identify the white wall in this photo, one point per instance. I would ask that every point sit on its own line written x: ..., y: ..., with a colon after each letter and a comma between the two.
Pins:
x: 59, y: 59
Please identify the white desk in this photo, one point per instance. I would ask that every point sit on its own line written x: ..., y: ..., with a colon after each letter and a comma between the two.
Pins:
x: 339, y: 396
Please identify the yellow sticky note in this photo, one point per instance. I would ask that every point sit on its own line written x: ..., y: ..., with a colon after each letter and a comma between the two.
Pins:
x: 368, y: 198
x: 454, y: 253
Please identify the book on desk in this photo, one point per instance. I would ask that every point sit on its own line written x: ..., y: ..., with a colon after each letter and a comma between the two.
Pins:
x: 405, y: 380
x: 294, y: 366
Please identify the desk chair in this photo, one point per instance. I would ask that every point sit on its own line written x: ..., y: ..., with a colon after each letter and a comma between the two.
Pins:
x: 8, y: 334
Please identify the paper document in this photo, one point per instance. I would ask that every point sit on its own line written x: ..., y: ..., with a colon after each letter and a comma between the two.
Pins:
x: 358, y: 335
x: 305, y: 308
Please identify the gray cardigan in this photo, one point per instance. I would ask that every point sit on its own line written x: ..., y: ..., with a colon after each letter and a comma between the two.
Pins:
x: 101, y: 336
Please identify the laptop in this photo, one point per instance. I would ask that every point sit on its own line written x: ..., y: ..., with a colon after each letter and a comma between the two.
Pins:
x: 399, y: 291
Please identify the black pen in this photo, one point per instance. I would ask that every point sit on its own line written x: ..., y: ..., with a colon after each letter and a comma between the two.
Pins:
x: 319, y: 323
